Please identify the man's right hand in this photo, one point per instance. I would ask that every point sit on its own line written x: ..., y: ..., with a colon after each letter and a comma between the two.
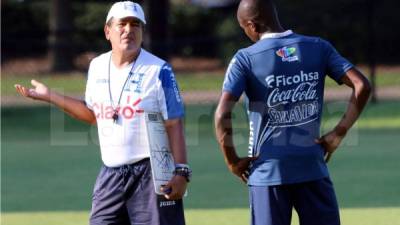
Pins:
x: 76, y: 108
x: 241, y: 167
x: 39, y: 92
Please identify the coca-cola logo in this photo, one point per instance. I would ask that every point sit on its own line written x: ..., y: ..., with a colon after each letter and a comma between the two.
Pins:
x: 298, y: 93
x: 303, y: 92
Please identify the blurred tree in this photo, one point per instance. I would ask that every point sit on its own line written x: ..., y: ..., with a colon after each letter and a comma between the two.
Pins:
x: 371, y: 46
x: 157, y: 29
x: 24, y: 29
x: 195, y: 30
x: 60, y: 45
x: 213, y: 3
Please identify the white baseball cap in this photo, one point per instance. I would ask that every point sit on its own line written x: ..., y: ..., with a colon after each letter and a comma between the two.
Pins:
x: 124, y: 9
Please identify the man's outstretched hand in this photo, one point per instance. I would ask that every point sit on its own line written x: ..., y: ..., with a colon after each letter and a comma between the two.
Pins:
x: 38, y: 92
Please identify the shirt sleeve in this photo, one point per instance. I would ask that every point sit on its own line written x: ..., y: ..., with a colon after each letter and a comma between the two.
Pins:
x: 235, y: 76
x: 89, y: 87
x: 337, y: 65
x: 169, y: 98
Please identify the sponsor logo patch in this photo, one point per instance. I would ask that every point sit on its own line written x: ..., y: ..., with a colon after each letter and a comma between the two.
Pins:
x: 287, y: 54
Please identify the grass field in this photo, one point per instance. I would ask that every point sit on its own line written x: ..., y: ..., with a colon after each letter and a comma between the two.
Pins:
x: 75, y: 83
x: 49, y: 163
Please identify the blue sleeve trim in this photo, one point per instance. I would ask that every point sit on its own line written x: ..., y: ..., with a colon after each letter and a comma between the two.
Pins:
x: 235, y: 77
x: 337, y: 66
x: 231, y: 92
x: 345, y: 69
x: 170, y: 88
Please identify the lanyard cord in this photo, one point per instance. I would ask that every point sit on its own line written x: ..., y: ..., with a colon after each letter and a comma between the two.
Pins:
x: 123, y: 87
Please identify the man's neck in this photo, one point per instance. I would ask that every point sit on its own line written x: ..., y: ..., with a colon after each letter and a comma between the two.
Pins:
x: 275, y: 34
x: 274, y: 29
x: 122, y: 59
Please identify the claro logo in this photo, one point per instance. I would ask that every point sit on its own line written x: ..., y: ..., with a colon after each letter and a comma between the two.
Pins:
x: 105, y: 111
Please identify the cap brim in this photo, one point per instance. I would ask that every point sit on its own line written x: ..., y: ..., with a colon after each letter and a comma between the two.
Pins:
x: 126, y: 15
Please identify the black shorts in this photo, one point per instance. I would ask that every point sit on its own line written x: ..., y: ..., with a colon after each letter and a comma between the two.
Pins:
x: 125, y: 196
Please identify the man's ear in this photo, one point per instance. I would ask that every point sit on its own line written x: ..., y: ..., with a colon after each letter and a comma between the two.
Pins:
x: 253, y: 27
x: 107, y: 31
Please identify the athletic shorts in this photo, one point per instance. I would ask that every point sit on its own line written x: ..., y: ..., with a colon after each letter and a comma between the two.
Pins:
x: 125, y: 196
x: 314, y: 201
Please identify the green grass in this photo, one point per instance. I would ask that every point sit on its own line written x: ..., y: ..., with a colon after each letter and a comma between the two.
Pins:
x: 200, y: 81
x: 75, y: 83
x: 356, y: 216
x: 384, y: 115
x: 71, y: 83
x: 376, y: 116
x: 46, y: 181
x: 383, y: 79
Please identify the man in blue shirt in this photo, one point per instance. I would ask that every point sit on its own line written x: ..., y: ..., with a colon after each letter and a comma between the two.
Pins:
x: 282, y: 76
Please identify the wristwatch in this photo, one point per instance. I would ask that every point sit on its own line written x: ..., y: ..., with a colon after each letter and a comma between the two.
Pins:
x: 184, y: 171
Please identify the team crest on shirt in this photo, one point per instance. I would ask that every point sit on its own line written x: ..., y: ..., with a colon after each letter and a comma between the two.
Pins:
x: 136, y: 82
x: 287, y: 54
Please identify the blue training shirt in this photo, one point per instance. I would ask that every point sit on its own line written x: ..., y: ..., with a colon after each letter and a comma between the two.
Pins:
x: 282, y: 77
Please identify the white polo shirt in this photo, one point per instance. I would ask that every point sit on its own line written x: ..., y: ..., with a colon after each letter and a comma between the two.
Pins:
x: 151, y: 87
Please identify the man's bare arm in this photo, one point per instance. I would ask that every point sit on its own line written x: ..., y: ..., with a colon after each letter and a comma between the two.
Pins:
x: 359, y: 98
x: 224, y: 133
x: 74, y: 107
x: 176, y: 138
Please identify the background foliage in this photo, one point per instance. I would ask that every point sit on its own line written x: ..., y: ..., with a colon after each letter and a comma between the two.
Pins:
x: 213, y: 32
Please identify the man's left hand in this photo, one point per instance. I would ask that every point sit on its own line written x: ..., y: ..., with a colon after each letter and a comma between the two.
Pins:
x: 175, y: 188
x: 330, y: 142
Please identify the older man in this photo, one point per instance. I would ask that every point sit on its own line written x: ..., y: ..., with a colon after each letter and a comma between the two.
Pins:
x: 122, y: 84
